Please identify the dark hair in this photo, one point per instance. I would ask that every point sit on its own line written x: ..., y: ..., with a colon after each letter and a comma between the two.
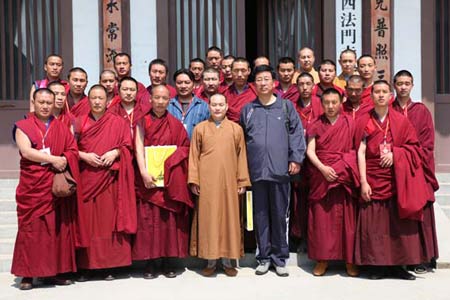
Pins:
x: 348, y: 51
x: 43, y: 91
x: 365, y: 56
x: 240, y: 59
x: 122, y: 54
x: 183, y: 71
x: 76, y: 69
x: 128, y: 79
x: 55, y: 83
x: 378, y: 82
x: 107, y: 71
x: 53, y: 55
x: 196, y: 60
x: 97, y: 86
x: 263, y: 68
x: 305, y: 74
x: 229, y: 56
x: 331, y: 91
x: 158, y: 61
x: 211, y: 70
x: 327, y: 62
x: 285, y: 60
x: 214, y: 48
x: 403, y: 73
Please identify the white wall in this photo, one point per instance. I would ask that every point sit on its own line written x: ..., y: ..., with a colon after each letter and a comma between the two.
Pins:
x: 86, y: 51
x: 407, y: 42
x: 143, y: 37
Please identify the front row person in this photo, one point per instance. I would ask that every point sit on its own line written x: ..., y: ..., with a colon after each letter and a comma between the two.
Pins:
x: 218, y: 174
x: 333, y: 179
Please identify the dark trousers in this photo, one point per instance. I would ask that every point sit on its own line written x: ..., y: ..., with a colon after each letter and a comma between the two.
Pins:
x: 270, y: 212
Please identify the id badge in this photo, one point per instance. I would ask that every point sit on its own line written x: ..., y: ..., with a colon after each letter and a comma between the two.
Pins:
x: 385, y: 148
x: 46, y: 151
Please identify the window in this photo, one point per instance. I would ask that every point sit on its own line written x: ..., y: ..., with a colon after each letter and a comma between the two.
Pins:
x: 442, y: 47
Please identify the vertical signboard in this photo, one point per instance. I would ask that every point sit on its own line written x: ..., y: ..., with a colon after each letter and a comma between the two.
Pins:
x: 112, y: 31
x: 381, y: 37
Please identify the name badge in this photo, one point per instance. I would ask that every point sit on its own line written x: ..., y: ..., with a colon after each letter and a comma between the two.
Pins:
x: 46, y: 151
x: 385, y: 148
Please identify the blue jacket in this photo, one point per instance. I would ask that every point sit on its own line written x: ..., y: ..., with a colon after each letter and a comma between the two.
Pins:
x: 274, y: 137
x: 197, y: 112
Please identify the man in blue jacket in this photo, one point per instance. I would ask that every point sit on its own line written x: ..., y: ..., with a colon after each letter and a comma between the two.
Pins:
x: 186, y: 107
x: 275, y: 150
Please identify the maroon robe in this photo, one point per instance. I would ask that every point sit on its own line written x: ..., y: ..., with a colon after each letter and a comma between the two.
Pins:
x: 109, y: 202
x: 388, y: 230
x: 223, y: 86
x: 291, y: 93
x: 200, y: 93
x: 46, y: 238
x: 310, y: 113
x: 420, y: 117
x: 236, y: 102
x: 363, y: 109
x: 366, y: 95
x: 332, y: 205
x: 81, y: 108
x: 172, y: 90
x: 43, y: 83
x: 163, y: 213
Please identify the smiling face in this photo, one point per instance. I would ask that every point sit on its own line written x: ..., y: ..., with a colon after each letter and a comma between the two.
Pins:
x: 218, y: 107
x: 184, y: 86
x: 77, y: 82
x: 60, y: 95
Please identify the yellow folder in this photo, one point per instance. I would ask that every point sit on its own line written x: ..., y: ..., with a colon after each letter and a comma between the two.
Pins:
x: 249, y: 210
x: 155, y: 156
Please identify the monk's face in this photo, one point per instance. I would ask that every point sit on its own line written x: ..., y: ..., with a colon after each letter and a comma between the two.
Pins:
x: 97, y: 100
x: 53, y: 67
x: 197, y: 69
x: 226, y: 65
x: 184, y: 85
x: 305, y: 86
x: 286, y: 72
x: 60, y: 95
x: 218, y: 107
x: 122, y: 66
x: 211, y: 82
x: 77, y: 82
x: 44, y: 103
x: 354, y: 91
x: 306, y: 59
x: 128, y: 91
x: 213, y: 59
x: 260, y: 61
x: 367, y: 68
x: 108, y: 81
x: 348, y: 63
x: 158, y: 74
x: 241, y: 71
x: 403, y: 86
x: 160, y: 99
x: 381, y: 94
x: 264, y: 83
x: 331, y: 104
x: 327, y: 73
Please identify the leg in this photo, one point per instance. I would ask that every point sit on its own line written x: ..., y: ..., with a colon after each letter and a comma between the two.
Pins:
x: 261, y: 219
x: 279, y: 210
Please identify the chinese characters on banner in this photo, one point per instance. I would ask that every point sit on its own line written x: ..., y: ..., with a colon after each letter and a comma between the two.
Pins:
x: 381, y: 37
x: 112, y: 31
x: 348, y: 27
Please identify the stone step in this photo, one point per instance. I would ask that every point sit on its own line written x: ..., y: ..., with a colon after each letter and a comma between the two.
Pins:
x: 5, y: 262
x: 7, y: 246
x: 444, y: 189
x: 9, y: 183
x: 8, y: 205
x: 8, y: 217
x: 8, y: 193
x: 443, y: 199
x: 446, y: 210
x: 443, y: 177
x: 8, y: 231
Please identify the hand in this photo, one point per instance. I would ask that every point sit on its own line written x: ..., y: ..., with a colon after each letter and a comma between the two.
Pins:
x: 59, y: 163
x: 241, y: 190
x: 366, y: 191
x: 387, y: 160
x: 109, y: 157
x: 294, y: 168
x: 195, y: 189
x: 149, y: 181
x: 93, y: 160
x: 329, y: 173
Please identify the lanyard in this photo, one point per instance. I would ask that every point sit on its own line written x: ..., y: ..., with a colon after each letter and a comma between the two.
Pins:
x: 47, y: 129
x: 381, y: 129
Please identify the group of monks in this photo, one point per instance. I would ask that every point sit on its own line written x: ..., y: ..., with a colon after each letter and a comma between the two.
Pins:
x: 361, y: 192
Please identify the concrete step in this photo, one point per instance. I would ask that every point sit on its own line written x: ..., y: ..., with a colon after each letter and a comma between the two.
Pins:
x: 444, y: 189
x: 443, y: 177
x: 8, y: 205
x: 7, y: 183
x: 5, y: 262
x: 8, y: 231
x: 8, y: 193
x: 443, y: 199
x: 446, y: 210
x: 7, y: 246
x: 8, y: 217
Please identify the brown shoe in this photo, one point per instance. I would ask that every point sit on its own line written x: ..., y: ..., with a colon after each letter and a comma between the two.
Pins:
x: 208, y: 272
x: 352, y: 270
x: 231, y: 272
x: 26, y: 284
x: 320, y: 268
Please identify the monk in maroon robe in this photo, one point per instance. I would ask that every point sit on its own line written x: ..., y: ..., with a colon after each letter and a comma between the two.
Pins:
x: 393, y: 190
x: 327, y: 74
x: 333, y: 177
x: 107, y: 186
x: 284, y: 87
x: 61, y: 110
x: 241, y: 91
x: 421, y: 119
x: 367, y: 69
x: 158, y: 71
x: 210, y: 86
x: 226, y: 76
x: 46, y: 238
x: 163, y: 212
x: 354, y: 105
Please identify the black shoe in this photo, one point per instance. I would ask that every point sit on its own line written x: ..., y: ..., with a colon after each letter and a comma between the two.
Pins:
x: 420, y: 269
x: 168, y: 269
x: 26, y: 284
x: 150, y: 271
x: 399, y: 272
x: 109, y: 277
x: 56, y: 281
x: 83, y: 276
x: 376, y: 273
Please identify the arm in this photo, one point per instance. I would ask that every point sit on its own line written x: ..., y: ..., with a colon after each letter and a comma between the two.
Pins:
x: 91, y: 159
x: 33, y: 88
x: 149, y: 180
x: 28, y: 152
x: 328, y: 172
x: 297, y: 145
x: 366, y: 190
